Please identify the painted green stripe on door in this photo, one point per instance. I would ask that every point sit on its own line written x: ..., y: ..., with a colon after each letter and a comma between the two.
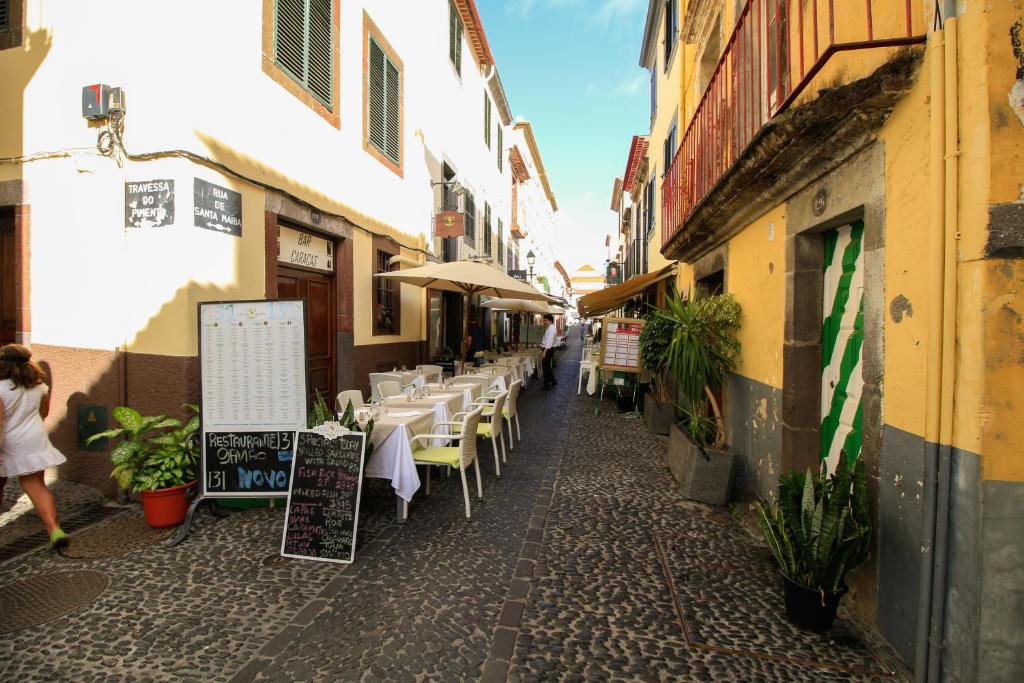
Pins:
x: 852, y: 444
x: 830, y: 326
x: 851, y: 356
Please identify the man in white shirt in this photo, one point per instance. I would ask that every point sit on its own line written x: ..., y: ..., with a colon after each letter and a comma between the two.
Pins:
x: 548, y: 357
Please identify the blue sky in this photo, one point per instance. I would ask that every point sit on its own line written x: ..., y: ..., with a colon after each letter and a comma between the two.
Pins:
x: 571, y: 67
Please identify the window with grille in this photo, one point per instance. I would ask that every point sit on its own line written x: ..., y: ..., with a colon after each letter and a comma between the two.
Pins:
x: 487, y: 120
x: 384, y: 102
x: 304, y: 37
x: 385, y: 297
x: 455, y: 38
x: 487, y: 229
x: 5, y: 14
x: 501, y: 150
x: 470, y: 219
x: 501, y: 244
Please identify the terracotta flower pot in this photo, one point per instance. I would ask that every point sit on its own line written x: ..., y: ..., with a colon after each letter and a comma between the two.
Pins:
x: 166, y: 507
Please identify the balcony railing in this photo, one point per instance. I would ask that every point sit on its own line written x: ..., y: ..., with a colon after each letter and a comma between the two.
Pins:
x: 774, y: 53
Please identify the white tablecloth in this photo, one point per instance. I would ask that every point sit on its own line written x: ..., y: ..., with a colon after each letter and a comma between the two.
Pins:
x: 393, y: 450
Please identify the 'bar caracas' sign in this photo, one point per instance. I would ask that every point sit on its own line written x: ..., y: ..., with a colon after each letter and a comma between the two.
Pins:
x: 518, y: 275
x: 302, y: 249
x: 449, y: 224
x: 149, y: 203
x: 217, y: 208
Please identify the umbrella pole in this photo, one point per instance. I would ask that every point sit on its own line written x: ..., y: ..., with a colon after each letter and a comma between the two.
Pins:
x: 465, y: 325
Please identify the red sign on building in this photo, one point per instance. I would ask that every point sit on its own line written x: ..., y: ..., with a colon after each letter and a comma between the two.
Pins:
x: 449, y: 224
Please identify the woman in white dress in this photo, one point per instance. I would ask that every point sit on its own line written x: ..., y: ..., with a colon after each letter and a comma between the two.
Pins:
x: 25, y: 448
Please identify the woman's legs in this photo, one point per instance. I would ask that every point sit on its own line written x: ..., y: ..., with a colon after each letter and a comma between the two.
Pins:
x: 34, y: 486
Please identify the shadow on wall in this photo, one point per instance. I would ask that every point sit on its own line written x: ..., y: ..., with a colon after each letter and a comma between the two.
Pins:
x: 154, y: 384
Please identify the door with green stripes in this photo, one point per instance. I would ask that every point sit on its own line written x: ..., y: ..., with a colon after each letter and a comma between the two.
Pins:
x: 842, y: 342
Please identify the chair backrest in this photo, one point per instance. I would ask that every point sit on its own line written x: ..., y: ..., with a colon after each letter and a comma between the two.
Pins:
x: 353, y: 396
x: 498, y: 417
x: 513, y: 397
x: 488, y: 369
x: 430, y: 369
x: 467, y: 445
x: 376, y: 378
x: 388, y: 388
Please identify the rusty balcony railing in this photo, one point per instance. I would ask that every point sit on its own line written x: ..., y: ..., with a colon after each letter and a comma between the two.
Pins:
x: 775, y: 51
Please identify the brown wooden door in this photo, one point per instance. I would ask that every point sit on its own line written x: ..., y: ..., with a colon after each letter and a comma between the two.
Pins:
x: 8, y: 307
x: 319, y: 293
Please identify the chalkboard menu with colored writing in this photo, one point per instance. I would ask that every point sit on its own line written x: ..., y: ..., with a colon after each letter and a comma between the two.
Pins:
x: 252, y: 358
x: 323, y: 504
x: 248, y: 462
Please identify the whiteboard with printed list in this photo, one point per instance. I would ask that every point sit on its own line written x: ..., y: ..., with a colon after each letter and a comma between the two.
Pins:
x: 252, y: 358
x: 620, y: 344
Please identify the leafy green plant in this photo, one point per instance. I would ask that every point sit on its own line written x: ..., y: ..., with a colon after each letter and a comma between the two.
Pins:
x: 155, y: 452
x: 655, y: 338
x: 700, y: 356
x: 321, y: 413
x: 819, y: 530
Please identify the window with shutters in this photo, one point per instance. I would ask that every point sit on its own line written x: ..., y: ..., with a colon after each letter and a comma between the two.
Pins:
x: 501, y: 150
x: 382, y: 99
x: 300, y: 52
x: 487, y: 120
x: 470, y: 210
x: 487, y: 229
x: 11, y: 20
x: 501, y: 243
x: 671, y: 29
x: 455, y: 38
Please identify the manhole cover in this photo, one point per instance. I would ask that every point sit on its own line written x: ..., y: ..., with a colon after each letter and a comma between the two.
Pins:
x: 117, y: 536
x: 44, y: 598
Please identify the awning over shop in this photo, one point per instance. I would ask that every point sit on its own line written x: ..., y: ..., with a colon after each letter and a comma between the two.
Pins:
x: 610, y: 298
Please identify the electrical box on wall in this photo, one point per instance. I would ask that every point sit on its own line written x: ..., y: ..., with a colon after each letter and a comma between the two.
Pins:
x: 96, y: 101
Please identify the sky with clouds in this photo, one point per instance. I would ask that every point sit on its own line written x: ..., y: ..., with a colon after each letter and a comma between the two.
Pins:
x: 571, y: 67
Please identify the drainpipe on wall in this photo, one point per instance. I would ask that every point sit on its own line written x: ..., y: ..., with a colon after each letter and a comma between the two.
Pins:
x: 944, y: 189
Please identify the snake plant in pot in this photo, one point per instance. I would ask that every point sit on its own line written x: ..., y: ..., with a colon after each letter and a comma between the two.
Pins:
x: 155, y: 458
x: 700, y: 356
x: 819, y: 530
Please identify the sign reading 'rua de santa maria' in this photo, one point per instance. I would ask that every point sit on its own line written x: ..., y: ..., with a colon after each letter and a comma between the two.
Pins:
x: 149, y: 203
x: 302, y: 249
x: 217, y: 208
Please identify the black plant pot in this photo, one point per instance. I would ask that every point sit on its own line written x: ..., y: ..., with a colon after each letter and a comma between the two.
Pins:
x: 804, y: 607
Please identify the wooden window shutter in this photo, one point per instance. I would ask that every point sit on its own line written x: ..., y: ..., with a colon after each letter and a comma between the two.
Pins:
x: 500, y: 147
x: 455, y: 37
x: 384, y: 103
x: 394, y: 113
x: 487, y: 229
x: 303, y: 41
x: 470, y: 218
x: 501, y: 241
x: 5, y: 13
x: 487, y: 120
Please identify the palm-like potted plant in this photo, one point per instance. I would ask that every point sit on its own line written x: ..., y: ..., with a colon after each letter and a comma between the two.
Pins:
x: 155, y: 458
x: 819, y: 530
x: 655, y: 338
x: 701, y: 354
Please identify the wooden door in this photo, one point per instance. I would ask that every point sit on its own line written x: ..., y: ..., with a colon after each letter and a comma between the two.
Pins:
x: 319, y: 293
x: 842, y: 343
x: 8, y: 305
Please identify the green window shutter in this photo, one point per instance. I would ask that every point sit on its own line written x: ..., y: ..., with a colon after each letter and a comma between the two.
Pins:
x: 487, y: 120
x: 455, y: 37
x: 500, y: 147
x: 304, y: 32
x: 487, y: 229
x: 470, y: 218
x: 501, y: 241
x: 5, y: 13
x: 384, y: 104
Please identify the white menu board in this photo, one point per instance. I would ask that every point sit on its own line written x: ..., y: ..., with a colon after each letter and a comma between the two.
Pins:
x: 620, y: 343
x: 253, y: 365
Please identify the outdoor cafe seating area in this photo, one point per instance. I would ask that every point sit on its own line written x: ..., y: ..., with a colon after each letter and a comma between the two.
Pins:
x: 424, y: 419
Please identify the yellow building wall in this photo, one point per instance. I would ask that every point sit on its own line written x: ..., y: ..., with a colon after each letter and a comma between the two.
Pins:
x: 756, y: 276
x: 413, y: 306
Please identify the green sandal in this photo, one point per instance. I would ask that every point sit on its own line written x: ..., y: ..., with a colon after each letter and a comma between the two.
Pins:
x: 58, y: 538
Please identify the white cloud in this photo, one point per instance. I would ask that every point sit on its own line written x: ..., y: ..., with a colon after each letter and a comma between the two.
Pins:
x: 628, y: 86
x: 614, y: 9
x: 519, y: 8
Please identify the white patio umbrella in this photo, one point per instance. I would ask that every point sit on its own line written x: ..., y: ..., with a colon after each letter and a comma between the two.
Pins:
x: 516, y: 305
x: 468, y: 278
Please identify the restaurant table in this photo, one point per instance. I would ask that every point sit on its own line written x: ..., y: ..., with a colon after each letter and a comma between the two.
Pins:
x: 486, y: 382
x: 393, y: 446
x: 467, y: 392
x: 444, y: 404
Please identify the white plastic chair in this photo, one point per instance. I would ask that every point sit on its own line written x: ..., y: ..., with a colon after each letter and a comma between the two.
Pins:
x: 353, y: 396
x: 389, y: 388
x: 375, y: 379
x: 587, y: 366
x: 491, y: 428
x: 431, y: 372
x: 459, y: 457
x: 509, y: 412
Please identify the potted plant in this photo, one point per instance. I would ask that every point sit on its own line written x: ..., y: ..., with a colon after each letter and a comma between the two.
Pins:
x: 818, y: 531
x: 156, y: 458
x: 702, y: 352
x: 321, y: 413
x: 659, y: 408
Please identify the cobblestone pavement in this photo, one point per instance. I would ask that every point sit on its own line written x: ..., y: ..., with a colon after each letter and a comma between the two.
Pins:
x: 580, y: 564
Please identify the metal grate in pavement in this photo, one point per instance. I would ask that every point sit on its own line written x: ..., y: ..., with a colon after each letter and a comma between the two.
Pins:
x: 29, y: 543
x: 46, y: 597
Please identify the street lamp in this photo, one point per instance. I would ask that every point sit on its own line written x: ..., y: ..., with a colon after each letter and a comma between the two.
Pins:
x: 530, y: 259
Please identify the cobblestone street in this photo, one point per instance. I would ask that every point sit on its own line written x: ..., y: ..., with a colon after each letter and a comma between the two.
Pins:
x: 580, y: 564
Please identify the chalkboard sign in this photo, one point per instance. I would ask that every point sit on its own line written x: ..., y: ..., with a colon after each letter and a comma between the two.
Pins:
x: 248, y: 462
x: 252, y: 357
x: 323, y: 503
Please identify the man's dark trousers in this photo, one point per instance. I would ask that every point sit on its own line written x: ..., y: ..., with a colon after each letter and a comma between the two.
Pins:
x: 546, y: 364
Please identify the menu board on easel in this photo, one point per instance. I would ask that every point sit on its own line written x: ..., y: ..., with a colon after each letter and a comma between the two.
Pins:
x: 253, y: 386
x: 620, y: 344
